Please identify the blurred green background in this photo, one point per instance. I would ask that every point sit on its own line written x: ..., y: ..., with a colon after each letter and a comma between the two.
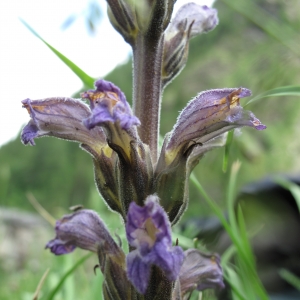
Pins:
x: 256, y: 45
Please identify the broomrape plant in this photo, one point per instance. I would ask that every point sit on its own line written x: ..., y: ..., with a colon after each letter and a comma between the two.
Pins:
x: 147, y: 186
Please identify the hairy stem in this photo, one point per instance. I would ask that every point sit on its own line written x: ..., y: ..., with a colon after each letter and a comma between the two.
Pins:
x: 147, y: 62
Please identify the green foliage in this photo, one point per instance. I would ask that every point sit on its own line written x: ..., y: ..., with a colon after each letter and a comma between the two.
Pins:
x: 242, y: 277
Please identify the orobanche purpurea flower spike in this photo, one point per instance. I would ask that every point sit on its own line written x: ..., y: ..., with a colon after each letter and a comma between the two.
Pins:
x: 146, y: 185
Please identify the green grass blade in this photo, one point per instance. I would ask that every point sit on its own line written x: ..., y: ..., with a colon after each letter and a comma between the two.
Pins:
x: 227, y: 150
x: 66, y: 275
x: 217, y: 211
x: 86, y: 79
x: 244, y: 236
x: 228, y: 254
x: 233, y: 279
x: 247, y: 261
x: 290, y: 278
x: 291, y: 90
x: 236, y: 229
x: 291, y: 186
x: 230, y: 198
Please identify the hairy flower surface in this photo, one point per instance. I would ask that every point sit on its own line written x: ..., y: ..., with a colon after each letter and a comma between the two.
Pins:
x: 149, y: 231
x: 210, y: 114
x: 60, y: 117
x: 83, y: 229
x: 200, y: 271
x: 108, y: 104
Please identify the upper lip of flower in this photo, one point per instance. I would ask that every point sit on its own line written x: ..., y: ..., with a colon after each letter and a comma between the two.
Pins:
x: 210, y: 114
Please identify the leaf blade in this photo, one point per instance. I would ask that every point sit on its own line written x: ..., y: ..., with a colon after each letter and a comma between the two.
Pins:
x: 87, y: 80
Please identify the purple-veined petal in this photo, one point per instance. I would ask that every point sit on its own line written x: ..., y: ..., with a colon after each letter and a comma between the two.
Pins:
x: 62, y: 118
x: 210, y: 114
x: 108, y: 104
x: 83, y: 229
x: 138, y: 271
x: 149, y: 231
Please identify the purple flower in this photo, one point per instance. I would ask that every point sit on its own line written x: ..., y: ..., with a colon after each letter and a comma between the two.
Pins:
x: 83, y: 229
x: 60, y: 117
x: 108, y: 104
x: 210, y: 114
x: 149, y: 231
x: 200, y: 271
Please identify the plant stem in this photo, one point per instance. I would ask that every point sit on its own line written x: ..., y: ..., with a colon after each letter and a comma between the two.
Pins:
x: 147, y: 62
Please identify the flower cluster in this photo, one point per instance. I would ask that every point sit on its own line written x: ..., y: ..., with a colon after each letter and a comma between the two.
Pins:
x: 147, y: 187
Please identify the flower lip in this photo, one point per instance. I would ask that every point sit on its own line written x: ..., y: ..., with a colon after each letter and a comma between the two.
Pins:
x: 104, y: 90
x: 108, y: 104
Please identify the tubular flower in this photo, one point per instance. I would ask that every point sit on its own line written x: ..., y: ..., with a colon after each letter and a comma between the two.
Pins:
x: 60, y: 117
x: 83, y: 229
x: 210, y: 114
x: 149, y: 232
x: 104, y: 128
x: 200, y: 271
x: 198, y: 129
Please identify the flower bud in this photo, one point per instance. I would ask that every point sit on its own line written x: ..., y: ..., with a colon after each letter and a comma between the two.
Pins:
x: 190, y: 21
x: 132, y: 18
